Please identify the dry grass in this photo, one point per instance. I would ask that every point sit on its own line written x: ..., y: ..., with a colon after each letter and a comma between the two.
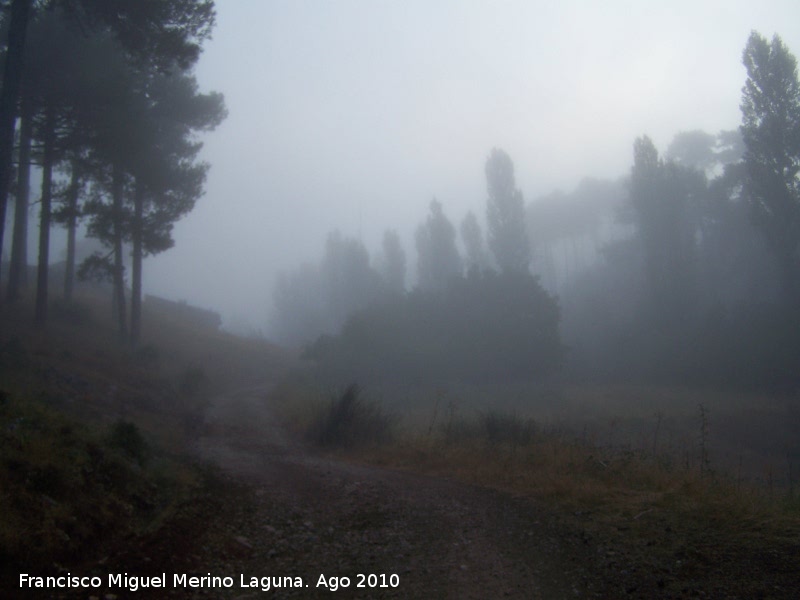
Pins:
x: 625, y: 492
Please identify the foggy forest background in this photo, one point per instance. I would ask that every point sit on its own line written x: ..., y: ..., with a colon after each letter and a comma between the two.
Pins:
x: 685, y: 270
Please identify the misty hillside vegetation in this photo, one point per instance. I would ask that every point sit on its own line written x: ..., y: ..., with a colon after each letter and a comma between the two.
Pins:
x: 687, y: 271
x: 100, y: 115
x: 106, y: 108
x: 94, y: 433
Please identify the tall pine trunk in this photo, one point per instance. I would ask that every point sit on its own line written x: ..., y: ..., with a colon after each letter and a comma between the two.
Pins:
x: 117, y: 192
x: 42, y: 272
x: 18, y: 271
x: 72, y: 225
x: 9, y: 96
x: 136, y: 276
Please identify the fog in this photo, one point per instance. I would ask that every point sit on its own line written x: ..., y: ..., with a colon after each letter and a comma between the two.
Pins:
x: 545, y: 255
x: 354, y: 115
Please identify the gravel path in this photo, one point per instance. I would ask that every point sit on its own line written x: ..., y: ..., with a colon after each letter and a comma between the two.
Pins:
x: 294, y: 514
x: 280, y: 520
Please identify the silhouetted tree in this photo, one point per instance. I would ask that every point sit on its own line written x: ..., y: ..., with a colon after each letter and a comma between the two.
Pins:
x: 771, y: 131
x: 730, y: 147
x: 693, y: 149
x: 663, y: 196
x: 570, y: 227
x: 706, y: 152
x: 154, y: 33
x: 54, y: 86
x: 167, y: 179
x: 317, y: 299
x: 18, y: 268
x: 476, y: 258
x: 737, y: 268
x: 505, y: 215
x: 300, y: 309
x: 438, y: 261
x: 51, y: 86
x: 9, y: 97
x: 394, y: 262
x: 350, y: 282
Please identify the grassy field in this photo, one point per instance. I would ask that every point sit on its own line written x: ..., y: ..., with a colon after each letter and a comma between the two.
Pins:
x: 640, y: 469
x: 92, y: 436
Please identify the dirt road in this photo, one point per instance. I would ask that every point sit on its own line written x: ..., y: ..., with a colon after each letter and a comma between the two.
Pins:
x: 278, y: 519
x: 291, y: 514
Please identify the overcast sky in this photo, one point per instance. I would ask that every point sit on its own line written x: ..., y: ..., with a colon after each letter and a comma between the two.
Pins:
x: 352, y: 115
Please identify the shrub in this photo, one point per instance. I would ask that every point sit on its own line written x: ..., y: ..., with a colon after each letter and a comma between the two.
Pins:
x: 349, y: 420
x: 504, y: 428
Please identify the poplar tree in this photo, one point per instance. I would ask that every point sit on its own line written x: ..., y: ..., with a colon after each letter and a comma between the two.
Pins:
x: 505, y: 215
x: 771, y: 131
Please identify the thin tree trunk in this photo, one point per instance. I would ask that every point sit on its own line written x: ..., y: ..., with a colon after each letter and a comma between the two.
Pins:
x: 72, y: 225
x: 119, y: 268
x: 136, y: 277
x: 44, y: 220
x: 9, y: 96
x: 18, y: 272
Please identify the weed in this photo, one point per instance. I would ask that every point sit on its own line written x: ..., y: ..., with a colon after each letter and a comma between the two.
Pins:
x: 350, y: 421
x: 705, y: 461
x: 659, y: 419
x: 505, y: 428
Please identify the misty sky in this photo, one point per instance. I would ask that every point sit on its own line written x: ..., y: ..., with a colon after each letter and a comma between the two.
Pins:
x: 354, y: 114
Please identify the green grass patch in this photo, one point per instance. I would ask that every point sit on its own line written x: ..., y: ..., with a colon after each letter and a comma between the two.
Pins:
x: 67, y: 487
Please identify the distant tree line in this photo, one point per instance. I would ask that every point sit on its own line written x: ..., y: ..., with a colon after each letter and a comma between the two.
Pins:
x: 686, y: 271
x: 478, y: 316
x: 104, y: 101
x: 706, y: 289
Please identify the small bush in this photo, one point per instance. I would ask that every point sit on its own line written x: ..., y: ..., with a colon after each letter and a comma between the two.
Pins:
x: 504, y: 428
x: 350, y: 421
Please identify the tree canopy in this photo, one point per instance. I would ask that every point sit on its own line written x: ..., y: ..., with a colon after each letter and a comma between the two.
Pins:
x: 505, y: 214
x: 438, y: 261
x: 771, y: 132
